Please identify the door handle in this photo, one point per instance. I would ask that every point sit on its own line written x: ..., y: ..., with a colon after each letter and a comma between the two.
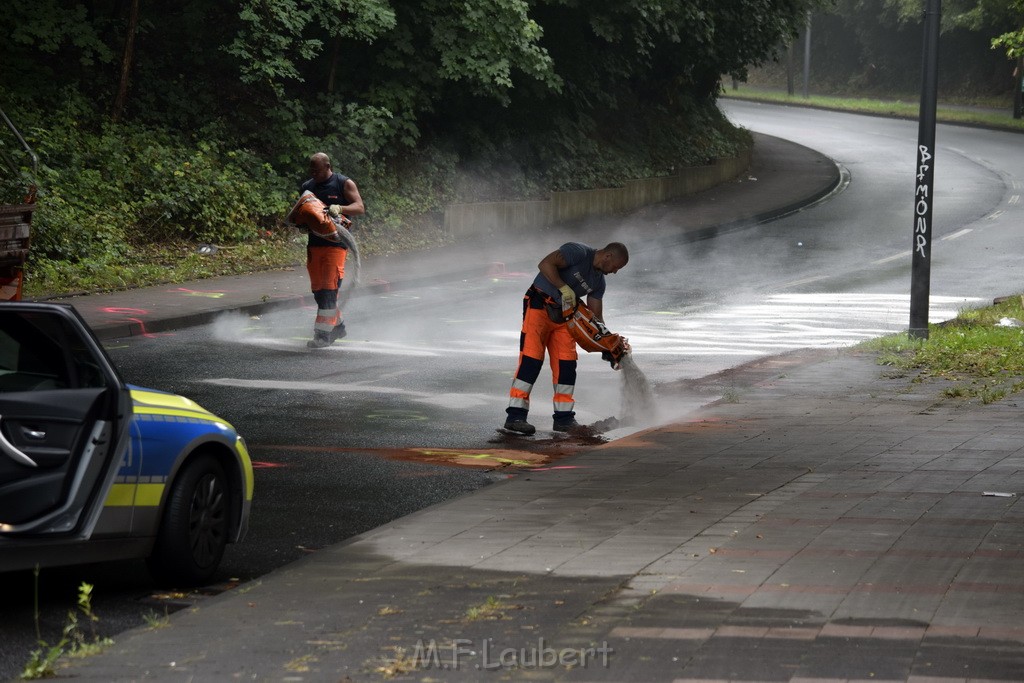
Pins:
x: 12, y: 452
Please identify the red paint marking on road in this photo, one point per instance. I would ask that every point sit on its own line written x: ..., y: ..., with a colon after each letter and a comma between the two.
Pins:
x: 260, y: 465
x: 115, y: 310
x: 130, y: 315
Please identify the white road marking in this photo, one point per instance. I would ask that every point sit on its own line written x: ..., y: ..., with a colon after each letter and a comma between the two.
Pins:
x: 805, y: 281
x: 894, y: 257
x: 957, y: 234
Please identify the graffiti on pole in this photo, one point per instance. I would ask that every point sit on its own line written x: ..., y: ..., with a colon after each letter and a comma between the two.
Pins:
x: 922, y: 202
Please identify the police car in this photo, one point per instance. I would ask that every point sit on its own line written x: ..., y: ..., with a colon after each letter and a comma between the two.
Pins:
x: 93, y: 469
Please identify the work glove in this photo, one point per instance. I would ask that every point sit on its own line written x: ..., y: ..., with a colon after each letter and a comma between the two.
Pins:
x: 568, y: 297
x: 334, y: 210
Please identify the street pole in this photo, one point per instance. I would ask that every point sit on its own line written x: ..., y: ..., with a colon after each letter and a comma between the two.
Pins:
x: 1018, y: 87
x: 789, y: 69
x: 807, y: 57
x: 924, y: 173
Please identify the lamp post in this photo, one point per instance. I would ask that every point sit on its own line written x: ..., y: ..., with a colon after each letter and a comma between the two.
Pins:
x: 807, y: 57
x: 1018, y: 87
x: 924, y: 174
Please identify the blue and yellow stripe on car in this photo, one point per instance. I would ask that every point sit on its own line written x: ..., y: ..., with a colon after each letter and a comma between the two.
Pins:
x: 168, y: 425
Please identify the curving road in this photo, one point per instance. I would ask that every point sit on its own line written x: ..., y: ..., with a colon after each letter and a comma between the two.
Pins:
x: 401, y: 414
x: 863, y: 233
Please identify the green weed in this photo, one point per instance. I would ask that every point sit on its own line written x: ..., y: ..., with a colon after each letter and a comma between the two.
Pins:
x: 74, y: 641
x: 731, y: 395
x: 155, y: 621
x: 492, y: 608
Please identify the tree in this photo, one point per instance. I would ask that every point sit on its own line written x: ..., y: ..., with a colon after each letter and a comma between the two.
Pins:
x: 1013, y: 43
x: 376, y: 78
x: 1013, y: 40
x: 127, y: 60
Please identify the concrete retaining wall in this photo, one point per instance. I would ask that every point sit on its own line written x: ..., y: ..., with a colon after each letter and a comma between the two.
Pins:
x: 486, y: 218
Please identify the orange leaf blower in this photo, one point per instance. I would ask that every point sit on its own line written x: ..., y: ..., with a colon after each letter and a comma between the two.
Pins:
x: 591, y: 334
x: 311, y: 214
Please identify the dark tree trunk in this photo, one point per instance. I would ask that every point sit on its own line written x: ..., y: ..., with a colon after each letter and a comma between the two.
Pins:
x: 127, y: 60
x: 1018, y: 89
x: 335, y: 55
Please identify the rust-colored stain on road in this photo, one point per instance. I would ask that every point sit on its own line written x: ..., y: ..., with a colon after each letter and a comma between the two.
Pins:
x: 526, y: 453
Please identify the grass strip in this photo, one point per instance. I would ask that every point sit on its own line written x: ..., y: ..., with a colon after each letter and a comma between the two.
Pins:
x: 957, y: 114
x: 980, y: 353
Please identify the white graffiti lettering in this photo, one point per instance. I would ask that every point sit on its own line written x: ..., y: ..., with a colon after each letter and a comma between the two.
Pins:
x: 921, y: 206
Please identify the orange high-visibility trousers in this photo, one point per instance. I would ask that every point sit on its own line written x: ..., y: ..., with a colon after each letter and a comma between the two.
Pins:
x: 540, y: 334
x: 326, y: 268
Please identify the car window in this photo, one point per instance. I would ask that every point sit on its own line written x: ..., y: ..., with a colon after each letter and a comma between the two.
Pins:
x: 42, y: 351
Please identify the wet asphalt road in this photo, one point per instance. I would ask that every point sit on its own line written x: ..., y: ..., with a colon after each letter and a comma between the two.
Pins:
x: 348, y: 438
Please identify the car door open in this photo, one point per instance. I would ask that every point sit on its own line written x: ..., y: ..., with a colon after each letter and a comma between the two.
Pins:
x: 63, y: 422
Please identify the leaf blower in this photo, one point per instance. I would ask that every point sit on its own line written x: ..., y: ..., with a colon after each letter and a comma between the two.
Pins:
x: 591, y: 335
x: 309, y: 213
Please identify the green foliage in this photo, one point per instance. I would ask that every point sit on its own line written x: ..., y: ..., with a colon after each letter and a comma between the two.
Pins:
x: 270, y: 40
x: 873, y: 46
x: 1012, y: 42
x: 405, y: 209
x: 42, y: 661
x: 973, y: 15
x: 74, y: 640
x: 51, y: 26
x: 484, y: 41
x: 106, y: 187
x: 976, y: 350
x: 654, y: 146
x: 420, y: 101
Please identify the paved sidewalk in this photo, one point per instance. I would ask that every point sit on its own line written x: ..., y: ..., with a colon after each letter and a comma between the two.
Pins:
x: 828, y: 525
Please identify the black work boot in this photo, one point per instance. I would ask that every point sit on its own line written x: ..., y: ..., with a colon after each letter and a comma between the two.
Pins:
x: 520, y: 426
x: 338, y: 332
x: 571, y: 426
x: 320, y: 340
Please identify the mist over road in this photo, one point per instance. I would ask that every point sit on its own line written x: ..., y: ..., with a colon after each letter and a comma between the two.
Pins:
x: 395, y: 417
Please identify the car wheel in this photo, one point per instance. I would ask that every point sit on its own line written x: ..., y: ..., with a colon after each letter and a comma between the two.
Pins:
x: 194, y: 529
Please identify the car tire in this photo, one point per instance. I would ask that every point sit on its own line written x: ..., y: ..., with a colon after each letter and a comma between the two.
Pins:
x: 194, y: 528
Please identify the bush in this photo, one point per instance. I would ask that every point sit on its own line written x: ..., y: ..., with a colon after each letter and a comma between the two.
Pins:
x: 105, y: 187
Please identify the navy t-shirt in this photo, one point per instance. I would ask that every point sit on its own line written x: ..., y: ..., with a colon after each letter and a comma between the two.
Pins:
x: 331, y: 191
x: 579, y: 274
